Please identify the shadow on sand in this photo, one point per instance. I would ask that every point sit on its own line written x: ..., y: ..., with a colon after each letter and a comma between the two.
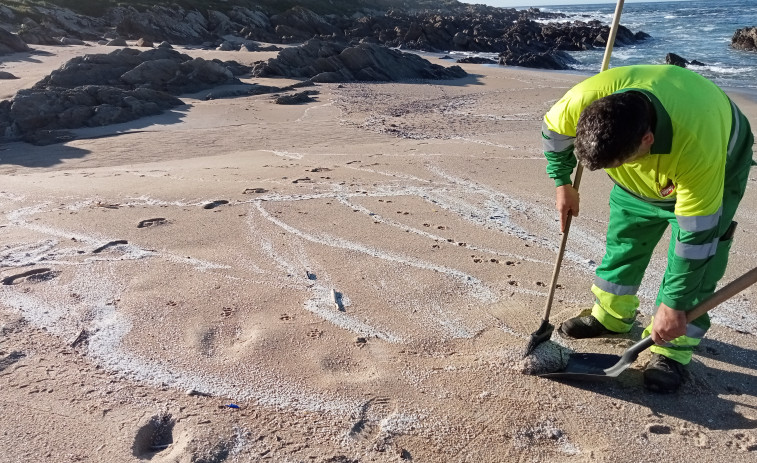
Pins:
x: 712, y: 398
x: 28, y: 155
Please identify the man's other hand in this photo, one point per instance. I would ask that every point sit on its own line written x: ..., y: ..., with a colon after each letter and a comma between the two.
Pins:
x: 566, y: 203
x: 668, y: 324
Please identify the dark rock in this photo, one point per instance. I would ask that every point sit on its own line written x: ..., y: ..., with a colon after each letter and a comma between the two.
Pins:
x: 103, y: 89
x: 745, y: 39
x: 71, y: 41
x: 117, y: 43
x: 144, y: 43
x: 35, y: 34
x: 158, y: 23
x: 676, y: 60
x: 227, y: 46
x: 11, y: 43
x: 7, y: 75
x: 333, y: 62
x: 476, y: 60
x: 299, y: 24
x: 296, y: 98
x: 552, y: 59
x: 165, y: 44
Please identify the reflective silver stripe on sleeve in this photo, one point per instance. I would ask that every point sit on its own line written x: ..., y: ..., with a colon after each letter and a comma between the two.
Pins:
x: 699, y: 223
x: 614, y: 288
x: 735, y: 126
x: 696, y: 251
x: 554, y: 141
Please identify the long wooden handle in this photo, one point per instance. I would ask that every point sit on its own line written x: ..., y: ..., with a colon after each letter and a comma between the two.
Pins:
x: 561, y: 251
x: 723, y: 294
x: 579, y: 168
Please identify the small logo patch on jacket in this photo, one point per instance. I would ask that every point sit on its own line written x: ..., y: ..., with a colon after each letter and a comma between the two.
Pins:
x: 668, y: 189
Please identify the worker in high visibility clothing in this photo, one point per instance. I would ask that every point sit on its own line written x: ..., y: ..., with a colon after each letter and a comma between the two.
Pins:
x: 679, y: 152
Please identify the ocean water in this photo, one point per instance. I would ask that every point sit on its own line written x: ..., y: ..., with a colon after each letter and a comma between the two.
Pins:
x: 696, y: 30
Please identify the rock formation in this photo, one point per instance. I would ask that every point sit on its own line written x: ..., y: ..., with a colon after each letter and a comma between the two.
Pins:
x: 745, y: 39
x: 102, y: 89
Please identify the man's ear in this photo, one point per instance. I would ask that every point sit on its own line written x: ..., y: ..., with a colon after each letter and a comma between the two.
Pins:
x: 648, y: 138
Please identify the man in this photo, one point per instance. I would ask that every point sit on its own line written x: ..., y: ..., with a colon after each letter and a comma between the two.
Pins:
x: 679, y: 152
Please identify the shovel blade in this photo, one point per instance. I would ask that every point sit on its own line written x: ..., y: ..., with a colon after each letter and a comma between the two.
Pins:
x: 589, y: 367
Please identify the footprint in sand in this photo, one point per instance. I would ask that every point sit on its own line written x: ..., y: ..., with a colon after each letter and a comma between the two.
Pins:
x: 249, y: 191
x: 286, y: 317
x: 742, y: 442
x: 152, y: 222
x: 107, y: 245
x: 35, y: 276
x: 154, y: 436
x: 319, y: 169
x: 314, y: 333
x: 214, y: 204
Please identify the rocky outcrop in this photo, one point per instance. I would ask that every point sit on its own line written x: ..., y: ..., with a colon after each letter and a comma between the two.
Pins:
x: 333, y: 62
x: 447, y: 26
x: 159, y: 23
x: 11, y: 43
x: 102, y: 89
x: 745, y: 39
x: 677, y: 60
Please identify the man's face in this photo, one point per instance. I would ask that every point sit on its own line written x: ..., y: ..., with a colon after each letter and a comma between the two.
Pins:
x: 646, y: 145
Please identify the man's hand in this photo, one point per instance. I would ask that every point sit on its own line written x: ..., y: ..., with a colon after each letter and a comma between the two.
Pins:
x: 668, y: 324
x: 566, y: 202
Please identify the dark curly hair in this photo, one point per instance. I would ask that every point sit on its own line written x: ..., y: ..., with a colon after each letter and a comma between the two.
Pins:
x: 610, y: 129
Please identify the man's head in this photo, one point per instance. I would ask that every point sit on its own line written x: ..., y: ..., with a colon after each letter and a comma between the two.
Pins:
x: 614, y: 130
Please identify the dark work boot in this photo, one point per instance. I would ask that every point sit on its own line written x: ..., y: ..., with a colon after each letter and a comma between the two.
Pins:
x: 663, y: 374
x: 583, y: 327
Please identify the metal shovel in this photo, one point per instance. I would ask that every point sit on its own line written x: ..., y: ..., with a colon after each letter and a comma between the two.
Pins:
x: 544, y: 332
x: 594, y: 367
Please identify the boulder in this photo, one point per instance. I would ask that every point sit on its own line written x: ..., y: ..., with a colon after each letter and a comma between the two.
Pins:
x: 7, y: 75
x: 159, y: 23
x: 476, y: 60
x: 144, y: 43
x: 117, y: 43
x: 71, y: 41
x: 676, y: 60
x: 301, y: 23
x: 35, y: 34
x: 296, y: 98
x: 103, y: 89
x: 334, y: 62
x: 11, y: 43
x: 745, y: 39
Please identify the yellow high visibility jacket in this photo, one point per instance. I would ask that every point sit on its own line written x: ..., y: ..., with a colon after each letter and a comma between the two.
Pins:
x: 697, y: 127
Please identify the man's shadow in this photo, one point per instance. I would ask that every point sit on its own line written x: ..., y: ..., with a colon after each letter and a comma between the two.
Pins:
x: 711, y: 397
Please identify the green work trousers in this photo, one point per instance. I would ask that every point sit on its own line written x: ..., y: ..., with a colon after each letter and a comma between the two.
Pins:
x: 634, y: 229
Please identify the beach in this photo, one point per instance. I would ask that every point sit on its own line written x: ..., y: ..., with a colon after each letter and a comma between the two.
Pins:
x: 351, y: 279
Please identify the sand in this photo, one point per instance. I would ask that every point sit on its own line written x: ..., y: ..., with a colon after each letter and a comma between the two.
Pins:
x: 353, y: 279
